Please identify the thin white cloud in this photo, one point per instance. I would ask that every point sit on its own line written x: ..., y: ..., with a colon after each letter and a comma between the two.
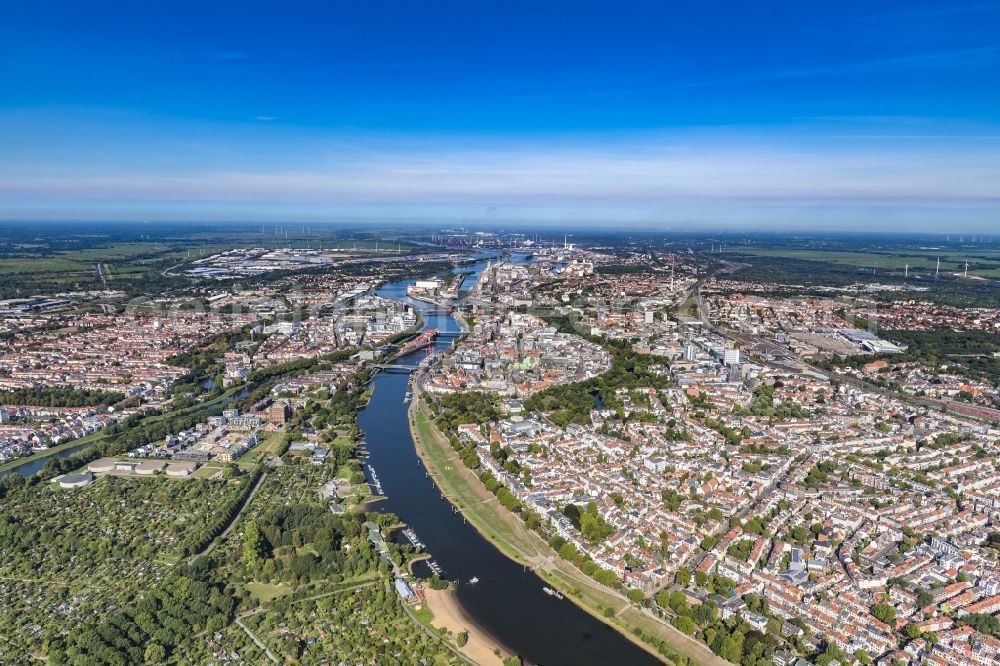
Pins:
x: 634, y: 175
x: 670, y: 178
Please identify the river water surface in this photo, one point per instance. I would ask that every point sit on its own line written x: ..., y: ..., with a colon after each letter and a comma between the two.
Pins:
x: 508, y: 602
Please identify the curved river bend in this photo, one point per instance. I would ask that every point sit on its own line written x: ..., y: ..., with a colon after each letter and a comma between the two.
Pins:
x: 508, y: 602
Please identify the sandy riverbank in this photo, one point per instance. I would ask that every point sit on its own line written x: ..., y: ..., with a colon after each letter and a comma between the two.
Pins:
x: 448, y: 614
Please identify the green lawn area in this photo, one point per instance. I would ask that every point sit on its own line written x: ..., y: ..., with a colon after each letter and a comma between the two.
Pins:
x: 361, y: 490
x: 922, y: 260
x: 425, y: 617
x: 207, y: 471
x: 264, y: 592
x: 42, y: 265
x: 594, y: 596
x: 268, y: 445
x: 468, y: 493
x: 128, y: 257
x: 124, y: 264
x: 590, y: 590
x: 81, y: 261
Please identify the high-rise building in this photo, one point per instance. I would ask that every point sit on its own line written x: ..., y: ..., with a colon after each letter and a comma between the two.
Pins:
x: 731, y: 357
x: 735, y: 372
x: 689, y: 351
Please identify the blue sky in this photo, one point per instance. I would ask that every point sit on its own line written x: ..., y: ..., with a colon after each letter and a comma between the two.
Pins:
x: 868, y: 115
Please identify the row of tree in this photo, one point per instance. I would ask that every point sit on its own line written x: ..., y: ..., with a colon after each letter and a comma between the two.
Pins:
x: 572, y: 403
x: 59, y: 397
x: 220, y: 517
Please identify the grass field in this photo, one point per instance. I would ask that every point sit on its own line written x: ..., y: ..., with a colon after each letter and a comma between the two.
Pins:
x: 982, y: 262
x: 207, y: 471
x: 268, y: 445
x: 123, y: 264
x: 264, y: 592
x: 469, y: 494
x: 42, y: 265
x: 131, y: 257
x: 83, y: 260
x: 425, y: 617
x: 136, y: 267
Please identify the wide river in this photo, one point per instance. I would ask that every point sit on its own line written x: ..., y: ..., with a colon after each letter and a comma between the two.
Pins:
x: 508, y: 602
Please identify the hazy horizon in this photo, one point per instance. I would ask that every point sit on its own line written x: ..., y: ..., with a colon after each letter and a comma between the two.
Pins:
x: 867, y: 118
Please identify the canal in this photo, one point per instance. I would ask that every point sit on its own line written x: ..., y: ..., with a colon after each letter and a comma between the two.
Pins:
x: 34, y: 465
x: 508, y: 602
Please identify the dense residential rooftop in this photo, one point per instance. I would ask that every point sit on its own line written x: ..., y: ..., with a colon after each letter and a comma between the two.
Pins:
x: 745, y: 470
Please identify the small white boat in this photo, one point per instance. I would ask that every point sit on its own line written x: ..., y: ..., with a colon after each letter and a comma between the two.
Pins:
x: 473, y: 580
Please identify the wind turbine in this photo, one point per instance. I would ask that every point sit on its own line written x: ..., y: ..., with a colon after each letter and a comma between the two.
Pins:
x: 938, y: 269
x: 906, y: 271
x: 966, y: 274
